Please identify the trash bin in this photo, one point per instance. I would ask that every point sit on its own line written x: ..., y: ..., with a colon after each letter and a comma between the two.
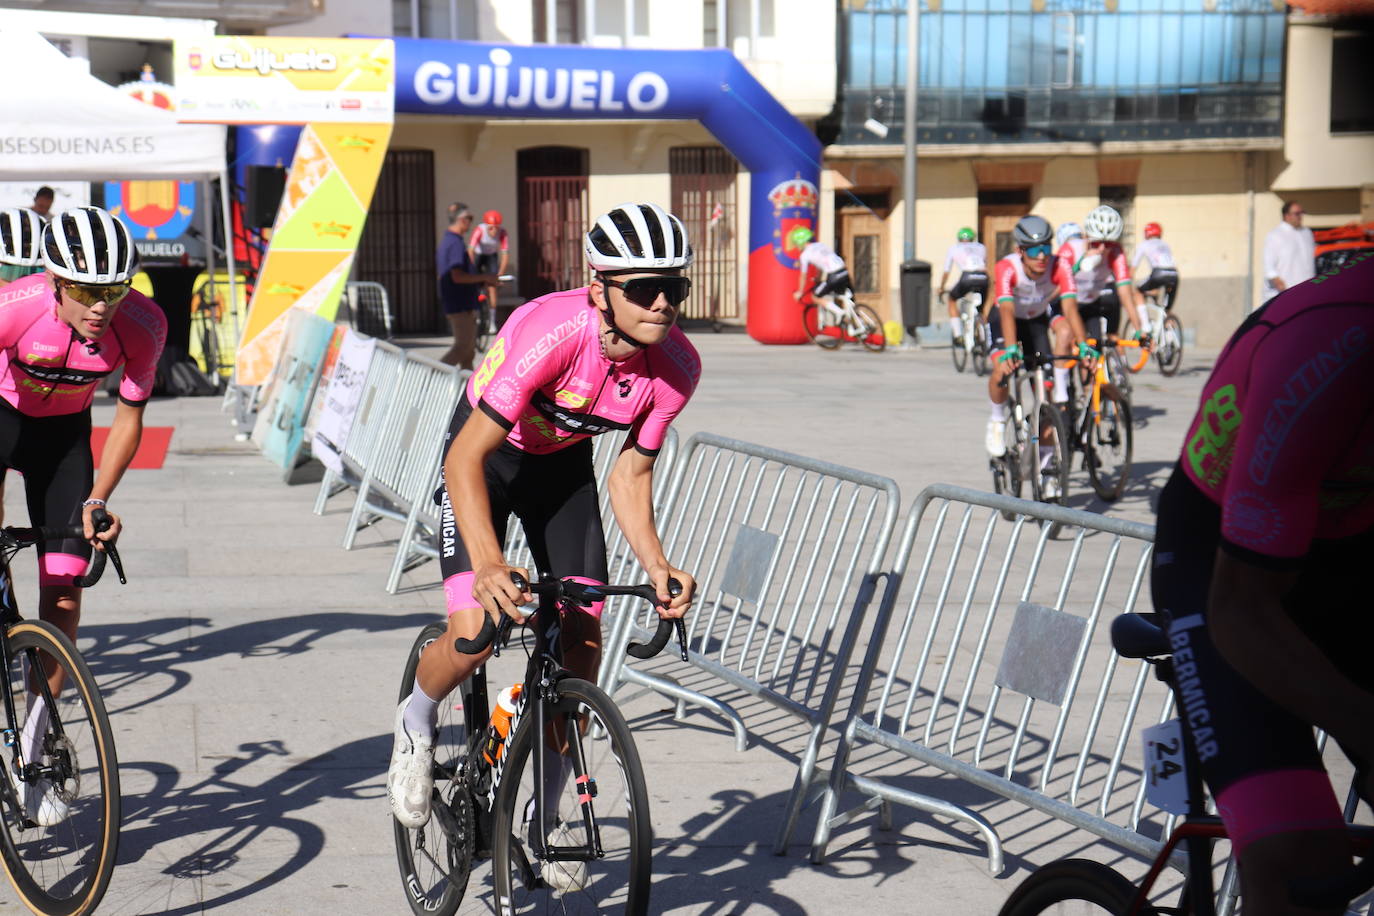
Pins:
x: 915, y: 294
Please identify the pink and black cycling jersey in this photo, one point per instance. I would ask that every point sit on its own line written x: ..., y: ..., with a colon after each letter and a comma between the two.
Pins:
x: 546, y: 380
x: 47, y: 370
x: 1111, y: 270
x: 1284, y: 439
x: 1031, y: 296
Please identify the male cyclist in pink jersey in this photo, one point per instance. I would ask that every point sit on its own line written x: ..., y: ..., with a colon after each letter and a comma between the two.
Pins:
x: 1264, y: 533
x: 565, y: 367
x: 61, y: 333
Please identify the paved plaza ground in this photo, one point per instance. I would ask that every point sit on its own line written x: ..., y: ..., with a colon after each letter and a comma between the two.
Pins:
x: 251, y: 666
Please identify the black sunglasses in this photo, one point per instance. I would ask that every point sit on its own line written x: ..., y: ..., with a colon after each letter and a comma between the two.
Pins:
x: 644, y: 291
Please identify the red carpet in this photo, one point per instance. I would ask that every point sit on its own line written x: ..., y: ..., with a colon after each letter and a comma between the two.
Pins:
x: 152, y: 448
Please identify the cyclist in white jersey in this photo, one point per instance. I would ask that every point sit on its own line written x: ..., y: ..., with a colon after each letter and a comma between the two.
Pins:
x: 831, y: 274
x: 971, y: 258
x: 1163, y: 270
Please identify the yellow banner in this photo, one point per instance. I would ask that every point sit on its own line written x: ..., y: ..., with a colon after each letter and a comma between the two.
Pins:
x: 249, y: 79
x: 315, y: 236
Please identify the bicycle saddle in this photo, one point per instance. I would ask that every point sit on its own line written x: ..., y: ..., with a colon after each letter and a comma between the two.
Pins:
x: 1140, y: 636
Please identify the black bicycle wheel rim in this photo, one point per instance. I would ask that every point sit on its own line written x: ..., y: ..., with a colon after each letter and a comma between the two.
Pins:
x: 1170, y: 358
x: 872, y: 331
x: 1068, y: 888
x: 980, y: 348
x: 1052, y: 420
x: 620, y: 882
x: 959, y: 353
x: 435, y: 869
x: 1109, y: 443
x: 46, y: 880
x: 811, y: 317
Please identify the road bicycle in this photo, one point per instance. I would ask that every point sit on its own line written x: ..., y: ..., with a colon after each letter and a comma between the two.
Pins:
x: 207, y: 315
x: 1174, y: 776
x: 974, y: 346
x: 831, y: 322
x: 1166, y: 336
x: 1038, y: 450
x: 59, y: 800
x: 585, y: 851
x: 1102, y: 430
x: 486, y: 316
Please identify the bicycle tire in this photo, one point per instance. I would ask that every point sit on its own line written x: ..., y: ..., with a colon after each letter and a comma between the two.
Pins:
x: 621, y: 884
x: 30, y: 853
x: 1141, y: 360
x: 209, y: 348
x: 433, y: 889
x: 1109, y: 444
x: 1072, y: 881
x: 872, y: 337
x: 811, y: 317
x: 1117, y: 371
x: 483, y: 326
x: 1008, y: 470
x: 1171, y: 336
x: 1058, y: 466
x: 959, y: 353
x: 981, y: 349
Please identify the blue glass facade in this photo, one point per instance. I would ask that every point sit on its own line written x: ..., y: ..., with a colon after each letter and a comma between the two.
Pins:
x: 1053, y: 70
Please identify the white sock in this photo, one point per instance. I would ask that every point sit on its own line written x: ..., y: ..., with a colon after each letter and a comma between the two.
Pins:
x: 956, y: 324
x: 999, y: 411
x: 422, y: 713
x: 1144, y: 314
x: 1061, y: 385
x: 35, y: 727
x: 1046, y: 453
x: 557, y: 769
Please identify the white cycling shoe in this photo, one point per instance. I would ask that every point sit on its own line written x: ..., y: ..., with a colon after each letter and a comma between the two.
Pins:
x: 410, y: 778
x: 996, y: 439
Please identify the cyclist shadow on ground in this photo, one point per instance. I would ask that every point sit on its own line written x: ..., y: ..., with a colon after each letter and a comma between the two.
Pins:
x: 1143, y: 486
x: 136, y: 664
x: 235, y: 826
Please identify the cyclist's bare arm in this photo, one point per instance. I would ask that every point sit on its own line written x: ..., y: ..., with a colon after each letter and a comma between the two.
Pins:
x: 126, y: 431
x: 631, y: 487
x: 1069, y: 304
x: 467, y: 491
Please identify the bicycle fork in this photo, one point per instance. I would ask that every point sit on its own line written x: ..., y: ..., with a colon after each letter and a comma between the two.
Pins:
x: 550, y: 747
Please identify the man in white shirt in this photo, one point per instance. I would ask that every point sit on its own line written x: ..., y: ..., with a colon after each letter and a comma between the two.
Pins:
x: 1289, y: 252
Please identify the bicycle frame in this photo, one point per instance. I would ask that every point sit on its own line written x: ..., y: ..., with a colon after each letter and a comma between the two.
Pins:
x: 1016, y: 409
x: 9, y: 616
x: 970, y: 308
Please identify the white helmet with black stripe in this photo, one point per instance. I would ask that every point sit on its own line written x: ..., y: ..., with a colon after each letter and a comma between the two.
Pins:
x: 637, y: 237
x: 21, y: 237
x: 89, y: 245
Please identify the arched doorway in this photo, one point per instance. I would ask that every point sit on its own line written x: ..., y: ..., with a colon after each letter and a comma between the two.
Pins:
x: 553, y: 217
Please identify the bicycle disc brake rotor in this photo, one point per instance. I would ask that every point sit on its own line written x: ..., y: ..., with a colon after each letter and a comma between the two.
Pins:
x: 63, y: 754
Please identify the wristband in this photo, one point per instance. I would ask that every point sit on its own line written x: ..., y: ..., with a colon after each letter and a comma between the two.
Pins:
x: 93, y: 502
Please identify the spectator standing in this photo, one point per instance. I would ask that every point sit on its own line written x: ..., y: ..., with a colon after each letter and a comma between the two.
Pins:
x: 459, y: 284
x: 1290, y: 252
x: 42, y: 202
x: 490, y: 250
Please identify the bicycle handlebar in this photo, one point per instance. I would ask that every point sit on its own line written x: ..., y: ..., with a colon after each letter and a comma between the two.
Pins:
x: 583, y: 594
x: 25, y: 537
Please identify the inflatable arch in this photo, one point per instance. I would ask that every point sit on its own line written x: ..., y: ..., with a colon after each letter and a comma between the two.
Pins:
x: 711, y: 86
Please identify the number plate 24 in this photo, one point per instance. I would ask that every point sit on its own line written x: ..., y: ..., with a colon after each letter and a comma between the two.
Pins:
x: 1166, y: 776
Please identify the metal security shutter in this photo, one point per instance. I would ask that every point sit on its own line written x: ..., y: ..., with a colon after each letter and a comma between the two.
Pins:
x: 398, y: 244
x: 703, y: 191
x: 553, y: 219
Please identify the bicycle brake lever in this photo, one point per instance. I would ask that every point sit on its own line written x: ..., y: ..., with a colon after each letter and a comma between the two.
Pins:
x: 118, y: 564
x: 680, y: 627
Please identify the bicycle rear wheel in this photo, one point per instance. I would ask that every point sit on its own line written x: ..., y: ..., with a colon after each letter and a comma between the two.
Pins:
x: 981, y: 347
x: 1108, y: 444
x: 1169, y: 348
x: 436, y: 860
x: 483, y: 325
x: 960, y: 353
x: 61, y: 869
x: 827, y: 337
x: 611, y: 809
x: 870, y: 329
x: 1116, y: 370
x: 1072, y: 887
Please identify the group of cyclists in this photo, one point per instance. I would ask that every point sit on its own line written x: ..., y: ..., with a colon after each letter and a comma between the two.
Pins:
x: 1261, y: 533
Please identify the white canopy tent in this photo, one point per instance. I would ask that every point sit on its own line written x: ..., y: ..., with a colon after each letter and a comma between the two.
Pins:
x: 75, y: 126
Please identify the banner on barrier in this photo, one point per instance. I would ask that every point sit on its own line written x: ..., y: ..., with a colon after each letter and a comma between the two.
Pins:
x: 281, y: 421
x: 341, y: 399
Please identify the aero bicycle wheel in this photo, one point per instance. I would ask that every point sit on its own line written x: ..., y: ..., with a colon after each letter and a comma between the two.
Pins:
x: 870, y: 329
x: 827, y: 337
x: 1072, y: 887
x: 1108, y: 445
x: 436, y: 860
x: 63, y: 868
x: 1169, y: 347
x: 612, y: 807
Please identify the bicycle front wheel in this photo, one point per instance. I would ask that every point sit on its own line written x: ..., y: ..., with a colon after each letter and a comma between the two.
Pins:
x: 1072, y: 887
x: 869, y: 329
x: 589, y: 851
x: 1050, y: 468
x: 1109, y: 442
x: 1169, y: 349
x: 61, y: 827
x: 825, y: 337
x: 436, y: 860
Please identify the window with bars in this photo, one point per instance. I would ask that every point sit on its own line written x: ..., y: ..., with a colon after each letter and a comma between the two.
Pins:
x: 703, y: 180
x: 451, y: 19
x: 566, y: 28
x: 553, y: 218
x: 397, y: 248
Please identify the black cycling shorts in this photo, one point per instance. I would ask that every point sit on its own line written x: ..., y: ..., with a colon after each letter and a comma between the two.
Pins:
x: 1032, y: 333
x: 555, y: 498
x: 1102, y: 316
x: 1165, y: 278
x: 969, y: 283
x: 837, y: 282
x: 54, y: 455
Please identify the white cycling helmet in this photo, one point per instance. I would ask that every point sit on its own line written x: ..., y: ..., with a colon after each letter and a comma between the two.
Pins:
x: 637, y: 237
x: 1065, y: 232
x: 21, y: 237
x: 89, y: 245
x: 1103, y: 224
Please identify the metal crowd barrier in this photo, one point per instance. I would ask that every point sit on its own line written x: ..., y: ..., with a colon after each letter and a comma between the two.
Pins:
x: 369, y: 308
x: 363, y: 435
x: 780, y: 545
x: 1001, y: 671
x: 402, y: 463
